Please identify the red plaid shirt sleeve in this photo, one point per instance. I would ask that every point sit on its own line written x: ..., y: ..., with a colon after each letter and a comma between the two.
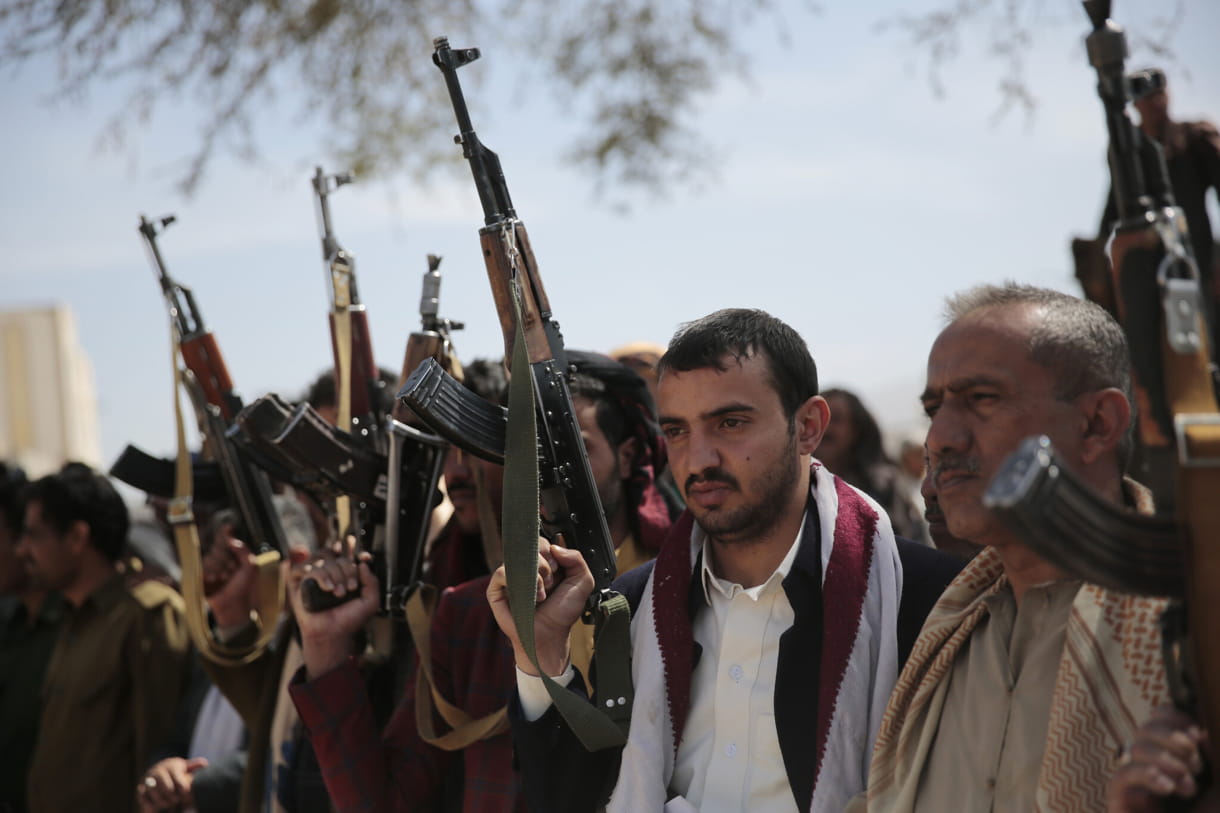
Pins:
x: 362, y: 770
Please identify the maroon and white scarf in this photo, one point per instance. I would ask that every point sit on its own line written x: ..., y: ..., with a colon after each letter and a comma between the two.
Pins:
x: 861, y: 590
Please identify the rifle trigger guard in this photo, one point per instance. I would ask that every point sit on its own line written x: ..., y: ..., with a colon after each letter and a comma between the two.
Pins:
x: 1182, y: 422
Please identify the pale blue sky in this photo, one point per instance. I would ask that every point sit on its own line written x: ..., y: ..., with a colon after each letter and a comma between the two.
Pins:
x: 849, y: 200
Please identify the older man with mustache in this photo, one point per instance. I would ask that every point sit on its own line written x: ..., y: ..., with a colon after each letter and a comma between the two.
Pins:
x: 1024, y: 684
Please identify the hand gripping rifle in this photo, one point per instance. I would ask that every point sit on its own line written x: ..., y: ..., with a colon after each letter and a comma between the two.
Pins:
x: 215, y: 404
x: 544, y: 451
x: 1156, y: 283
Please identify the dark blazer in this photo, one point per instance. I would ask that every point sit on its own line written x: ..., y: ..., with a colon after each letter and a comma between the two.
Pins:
x: 561, y: 776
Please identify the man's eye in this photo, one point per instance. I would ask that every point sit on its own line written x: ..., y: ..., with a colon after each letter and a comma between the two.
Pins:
x: 671, y: 432
x: 930, y: 409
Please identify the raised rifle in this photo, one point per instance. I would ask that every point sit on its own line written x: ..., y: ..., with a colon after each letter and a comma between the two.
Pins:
x: 357, y: 382
x: 395, y: 486
x: 216, y: 403
x: 543, y: 435
x: 1159, y: 303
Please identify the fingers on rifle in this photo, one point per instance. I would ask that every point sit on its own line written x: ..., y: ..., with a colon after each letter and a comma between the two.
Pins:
x: 1138, y: 787
x: 338, y: 576
x: 367, y: 581
x: 572, y: 563
x: 1164, y: 771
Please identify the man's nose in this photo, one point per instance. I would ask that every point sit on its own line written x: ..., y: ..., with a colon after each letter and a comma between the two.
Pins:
x: 702, y: 452
x: 457, y: 462
x: 948, y: 432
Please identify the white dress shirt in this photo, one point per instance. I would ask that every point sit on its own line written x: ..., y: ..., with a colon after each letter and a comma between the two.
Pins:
x: 729, y: 758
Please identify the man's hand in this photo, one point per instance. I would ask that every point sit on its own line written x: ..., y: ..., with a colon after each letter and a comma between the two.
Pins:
x: 326, y: 636
x: 230, y: 579
x: 560, y: 603
x: 167, y: 785
x: 1162, y: 761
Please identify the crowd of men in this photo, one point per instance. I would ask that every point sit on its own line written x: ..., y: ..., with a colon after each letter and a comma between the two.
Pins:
x: 799, y: 639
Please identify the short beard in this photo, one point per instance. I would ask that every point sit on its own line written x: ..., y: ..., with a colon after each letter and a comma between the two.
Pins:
x: 751, y: 523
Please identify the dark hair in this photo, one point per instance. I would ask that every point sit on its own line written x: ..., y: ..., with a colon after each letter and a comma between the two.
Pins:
x: 322, y: 393
x: 12, y: 501
x: 625, y: 408
x: 743, y: 333
x: 1081, y: 344
x: 78, y: 493
x: 486, y: 379
x: 866, y: 449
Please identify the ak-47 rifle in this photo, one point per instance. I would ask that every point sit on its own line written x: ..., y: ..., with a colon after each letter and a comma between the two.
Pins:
x: 543, y: 436
x: 1159, y: 303
x: 216, y: 403
x: 395, y: 487
x: 357, y: 383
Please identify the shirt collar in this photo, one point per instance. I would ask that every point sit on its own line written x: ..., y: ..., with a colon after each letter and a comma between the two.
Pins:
x: 710, y: 582
x: 107, y: 594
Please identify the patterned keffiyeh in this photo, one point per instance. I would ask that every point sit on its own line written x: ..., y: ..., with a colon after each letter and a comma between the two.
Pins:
x: 1110, y: 678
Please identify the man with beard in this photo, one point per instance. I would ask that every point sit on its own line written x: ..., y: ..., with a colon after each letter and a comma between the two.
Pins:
x: 767, y: 637
x: 1024, y: 683
x: 447, y: 745
x: 119, y: 662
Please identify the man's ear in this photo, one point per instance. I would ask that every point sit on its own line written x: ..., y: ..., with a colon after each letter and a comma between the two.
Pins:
x: 1107, y: 413
x: 626, y: 457
x: 76, y: 539
x: 811, y: 420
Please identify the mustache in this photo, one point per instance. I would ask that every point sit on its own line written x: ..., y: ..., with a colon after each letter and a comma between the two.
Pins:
x: 712, y: 475
x: 955, y: 463
x: 459, y: 485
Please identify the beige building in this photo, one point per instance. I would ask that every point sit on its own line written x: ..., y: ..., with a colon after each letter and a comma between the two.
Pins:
x: 48, y: 402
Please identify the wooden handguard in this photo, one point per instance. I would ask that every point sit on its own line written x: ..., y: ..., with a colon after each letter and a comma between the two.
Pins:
x: 535, y: 308
x: 202, y: 357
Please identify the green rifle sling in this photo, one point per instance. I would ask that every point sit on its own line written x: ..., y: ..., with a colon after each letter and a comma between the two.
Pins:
x: 596, y: 729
